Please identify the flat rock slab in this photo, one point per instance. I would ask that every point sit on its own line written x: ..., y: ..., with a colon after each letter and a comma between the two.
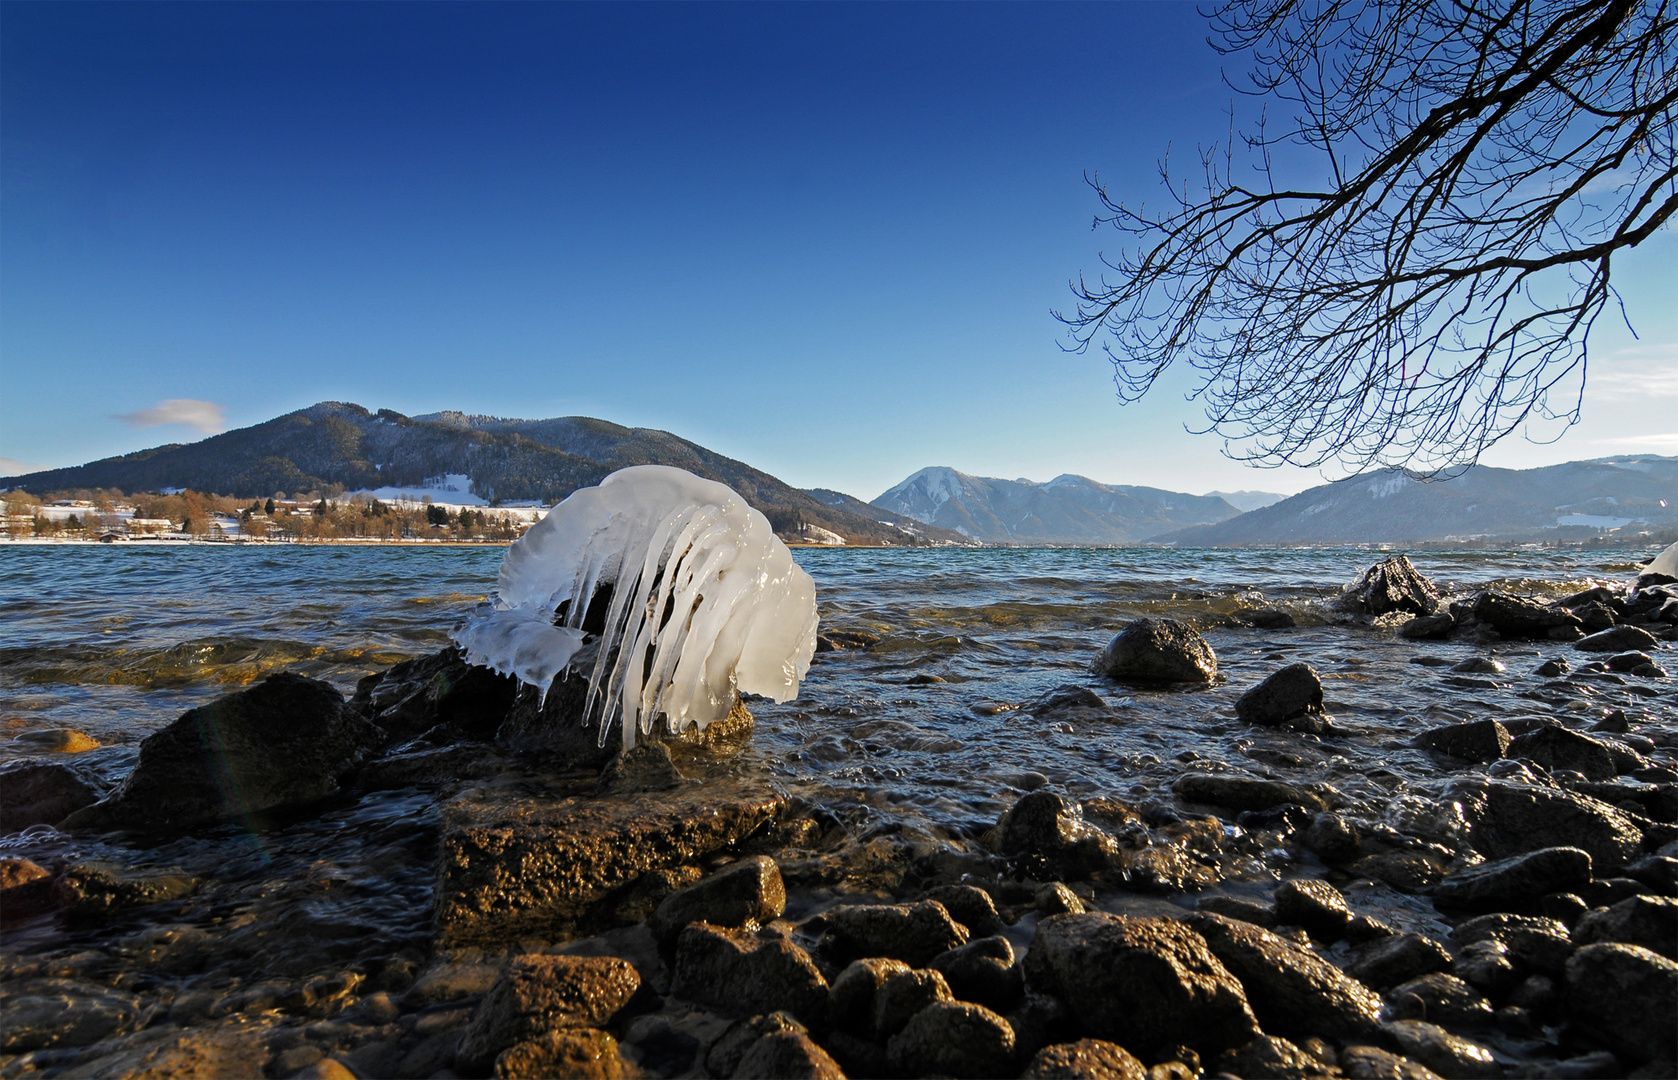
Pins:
x: 514, y: 866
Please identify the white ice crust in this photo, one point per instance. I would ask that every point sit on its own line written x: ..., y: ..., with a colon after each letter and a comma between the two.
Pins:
x: 1664, y: 563
x: 743, y: 613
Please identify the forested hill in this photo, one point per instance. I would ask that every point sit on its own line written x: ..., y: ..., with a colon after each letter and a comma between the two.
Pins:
x: 336, y: 446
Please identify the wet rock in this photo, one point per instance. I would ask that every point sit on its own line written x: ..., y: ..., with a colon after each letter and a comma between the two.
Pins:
x: 983, y: 971
x: 856, y: 1055
x: 1397, y: 959
x: 583, y: 1053
x: 1142, y: 983
x: 514, y: 867
x: 1269, y: 619
x: 447, y: 980
x: 913, y: 933
x: 1428, y: 627
x: 1539, y: 943
x: 1054, y: 898
x: 1269, y: 1058
x: 1439, y: 999
x: 416, y: 695
x: 58, y: 740
x: 1086, y: 1059
x: 743, y: 974
x: 284, y: 742
x: 1565, y: 908
x: 1446, y: 1054
x: 724, y: 1055
x: 788, y: 1055
x: 25, y: 889
x: 1649, y: 921
x: 1390, y: 585
x: 1556, y: 748
x: 1332, y: 838
x: 1486, y: 966
x: 1294, y: 691
x: 40, y: 793
x: 1237, y: 792
x: 1477, y: 740
x: 537, y: 994
x: 1510, y: 819
x: 1527, y: 620
x: 1314, y: 904
x: 96, y: 888
x: 1619, y: 639
x: 1603, y: 980
x: 953, y: 1038
x: 1049, y: 832
x: 1479, y: 665
x: 42, y: 1013
x: 1069, y: 700
x: 645, y: 768
x: 1374, y: 1063
x: 1628, y: 661
x: 1234, y: 907
x: 432, y: 767
x: 1658, y: 872
x: 904, y: 994
x: 1290, y: 989
x: 851, y: 997
x: 1406, y: 871
x: 1552, y: 669
x: 972, y: 907
x: 747, y: 891
x: 1514, y: 884
x: 1158, y: 651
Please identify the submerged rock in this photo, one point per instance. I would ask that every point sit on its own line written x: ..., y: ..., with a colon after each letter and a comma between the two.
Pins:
x: 1477, y: 740
x: 40, y: 793
x: 1428, y: 627
x: 25, y: 889
x: 1236, y: 792
x: 42, y: 1013
x: 1390, y: 585
x: 1158, y: 651
x: 58, y: 740
x: 284, y: 742
x: 1294, y: 692
x: 1142, y: 983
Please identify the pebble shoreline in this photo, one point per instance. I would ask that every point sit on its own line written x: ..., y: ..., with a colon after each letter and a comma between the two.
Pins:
x: 659, y: 914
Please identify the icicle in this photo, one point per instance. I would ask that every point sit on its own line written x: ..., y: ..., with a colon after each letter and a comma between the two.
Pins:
x: 742, y: 613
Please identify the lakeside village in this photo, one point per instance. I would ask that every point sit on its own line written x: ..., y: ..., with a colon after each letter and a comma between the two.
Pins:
x: 109, y: 516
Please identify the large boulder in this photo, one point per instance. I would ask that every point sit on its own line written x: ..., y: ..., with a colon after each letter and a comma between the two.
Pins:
x: 537, y: 994
x: 1145, y: 984
x: 1390, y: 585
x: 416, y: 695
x: 284, y: 742
x: 1292, y: 991
x: 1292, y: 693
x: 738, y: 972
x: 552, y: 728
x: 40, y: 793
x: 1627, y: 995
x: 1511, y: 819
x: 1557, y: 749
x: 1158, y: 651
x: 1520, y: 619
x: 1516, y: 883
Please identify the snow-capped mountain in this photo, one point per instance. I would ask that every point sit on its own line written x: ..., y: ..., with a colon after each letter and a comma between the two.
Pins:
x: 1067, y: 510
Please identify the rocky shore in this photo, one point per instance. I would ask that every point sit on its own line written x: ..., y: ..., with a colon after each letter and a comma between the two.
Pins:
x: 669, y: 912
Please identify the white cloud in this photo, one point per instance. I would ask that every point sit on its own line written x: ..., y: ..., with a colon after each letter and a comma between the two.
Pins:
x: 1667, y: 441
x: 1640, y: 372
x: 13, y: 467
x: 206, y: 416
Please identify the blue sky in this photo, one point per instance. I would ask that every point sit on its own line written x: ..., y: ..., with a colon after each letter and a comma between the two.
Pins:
x: 823, y: 239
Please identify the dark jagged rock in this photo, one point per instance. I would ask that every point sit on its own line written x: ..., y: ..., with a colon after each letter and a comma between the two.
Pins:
x: 1439, y: 999
x: 1511, y: 819
x: 1236, y: 792
x: 515, y: 867
x: 1619, y: 639
x: 1539, y: 943
x: 1158, y: 651
x: 284, y: 742
x: 1658, y: 872
x: 1054, y: 898
x: 1233, y: 907
x: 1390, y: 585
x: 1086, y: 1059
x: 1269, y: 619
x: 1648, y: 921
x: 1315, y: 905
x: 747, y: 891
x: 1290, y: 989
x: 851, y: 997
x: 536, y: 994
x: 1291, y: 693
x: 97, y: 888
x: 43, y: 1013
x: 902, y: 995
x: 1445, y: 1053
x: 1603, y: 980
x: 1397, y: 959
x: 1526, y: 620
x: 971, y: 907
x: 645, y: 768
x: 1142, y: 983
x: 1556, y: 748
x: 740, y: 973
x: 25, y: 889
x: 723, y: 1058
x: 582, y: 1053
x: 416, y: 695
x: 1477, y: 740
x: 983, y: 971
x: 1486, y: 966
x: 431, y: 767
x: 1050, y: 832
x: 1428, y: 627
x: 953, y: 1038
x: 913, y: 933
x: 1332, y: 837
x: 40, y: 793
x: 1514, y: 884
x: 1269, y: 1058
x: 552, y: 729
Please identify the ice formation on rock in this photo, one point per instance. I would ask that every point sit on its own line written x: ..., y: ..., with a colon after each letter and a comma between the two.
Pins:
x: 705, y: 601
x: 1664, y: 563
